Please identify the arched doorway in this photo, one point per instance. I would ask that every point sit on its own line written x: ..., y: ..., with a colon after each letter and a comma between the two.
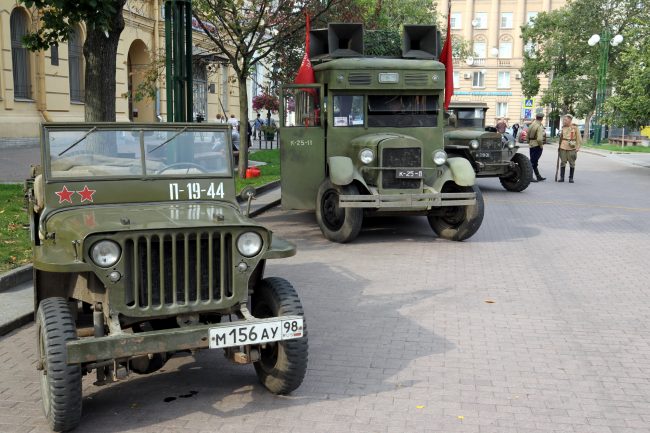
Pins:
x: 138, y: 61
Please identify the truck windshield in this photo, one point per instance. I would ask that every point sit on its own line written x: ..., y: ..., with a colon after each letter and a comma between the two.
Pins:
x: 402, y: 111
x: 473, y: 118
x: 178, y: 151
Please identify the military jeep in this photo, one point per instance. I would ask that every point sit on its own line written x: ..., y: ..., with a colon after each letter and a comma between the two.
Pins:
x: 140, y: 251
x: 490, y: 153
x: 367, y: 139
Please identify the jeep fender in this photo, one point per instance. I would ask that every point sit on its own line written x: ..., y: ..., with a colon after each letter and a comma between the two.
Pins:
x: 460, y: 171
x: 342, y: 171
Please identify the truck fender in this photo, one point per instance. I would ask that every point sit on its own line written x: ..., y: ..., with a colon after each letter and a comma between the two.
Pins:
x: 341, y: 170
x: 460, y: 171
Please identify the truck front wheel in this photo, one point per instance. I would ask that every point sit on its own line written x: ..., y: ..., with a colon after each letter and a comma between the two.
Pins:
x: 283, y: 364
x: 337, y: 224
x: 60, y: 382
x: 519, y: 179
x: 457, y: 223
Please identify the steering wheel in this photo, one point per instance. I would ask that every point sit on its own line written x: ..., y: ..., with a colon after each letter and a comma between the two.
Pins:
x: 183, y: 164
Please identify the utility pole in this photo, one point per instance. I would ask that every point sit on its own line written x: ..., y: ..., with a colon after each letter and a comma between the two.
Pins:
x: 178, y: 60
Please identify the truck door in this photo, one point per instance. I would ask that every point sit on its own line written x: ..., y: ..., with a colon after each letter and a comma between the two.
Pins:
x: 302, y: 145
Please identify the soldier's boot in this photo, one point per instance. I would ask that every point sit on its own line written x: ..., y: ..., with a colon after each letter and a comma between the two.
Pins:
x: 562, y: 171
x: 539, y: 176
x: 571, y: 171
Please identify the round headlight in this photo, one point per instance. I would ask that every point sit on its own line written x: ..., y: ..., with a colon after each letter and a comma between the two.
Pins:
x: 511, y: 145
x: 474, y: 144
x: 439, y: 157
x: 367, y: 156
x: 249, y: 244
x: 105, y: 253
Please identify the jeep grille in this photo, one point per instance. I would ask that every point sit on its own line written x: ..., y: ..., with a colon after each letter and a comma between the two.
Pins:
x: 178, y: 269
x: 400, y: 158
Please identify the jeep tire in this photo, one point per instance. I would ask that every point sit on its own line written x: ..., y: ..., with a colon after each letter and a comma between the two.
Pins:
x: 60, y: 382
x: 519, y: 179
x: 283, y: 364
x: 337, y: 224
x: 457, y: 223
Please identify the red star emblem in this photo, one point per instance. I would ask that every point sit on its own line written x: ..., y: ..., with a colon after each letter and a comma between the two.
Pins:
x: 86, y: 194
x: 65, y: 195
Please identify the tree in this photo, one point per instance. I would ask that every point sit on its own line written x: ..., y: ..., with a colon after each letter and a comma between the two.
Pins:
x: 557, y: 48
x: 248, y: 32
x: 104, y: 23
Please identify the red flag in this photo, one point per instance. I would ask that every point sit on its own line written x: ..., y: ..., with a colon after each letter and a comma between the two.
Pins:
x: 306, y: 72
x: 447, y: 60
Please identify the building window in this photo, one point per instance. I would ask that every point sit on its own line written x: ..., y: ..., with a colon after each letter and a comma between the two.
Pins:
x: 479, y: 50
x: 456, y: 19
x: 199, y: 90
x: 19, y: 24
x: 506, y: 20
x: 478, y: 79
x: 530, y: 17
x: 481, y: 20
x: 456, y: 80
x: 54, y: 55
x: 505, y: 49
x: 502, y: 109
x: 75, y: 66
x: 503, y: 81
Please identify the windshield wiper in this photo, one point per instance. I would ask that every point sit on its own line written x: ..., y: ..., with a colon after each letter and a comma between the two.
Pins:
x: 168, y: 140
x: 90, y: 131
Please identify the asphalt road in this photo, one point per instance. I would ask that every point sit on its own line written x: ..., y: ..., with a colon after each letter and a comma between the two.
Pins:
x: 539, y: 323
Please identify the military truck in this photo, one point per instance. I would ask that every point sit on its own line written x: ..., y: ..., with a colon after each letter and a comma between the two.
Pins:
x: 490, y: 153
x: 140, y: 251
x: 367, y: 138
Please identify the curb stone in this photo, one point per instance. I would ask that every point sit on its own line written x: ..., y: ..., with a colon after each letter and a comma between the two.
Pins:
x: 15, y: 277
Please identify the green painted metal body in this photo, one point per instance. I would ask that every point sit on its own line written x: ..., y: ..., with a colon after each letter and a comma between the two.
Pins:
x: 178, y: 253
x: 178, y: 60
x: 601, y: 91
x: 312, y: 152
x: 493, y: 157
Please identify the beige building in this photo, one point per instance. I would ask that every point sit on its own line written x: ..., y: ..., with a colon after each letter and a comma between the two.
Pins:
x: 49, y: 85
x: 491, y: 75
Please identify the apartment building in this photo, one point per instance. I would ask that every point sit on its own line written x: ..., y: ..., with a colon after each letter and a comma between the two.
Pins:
x: 48, y: 86
x: 491, y: 75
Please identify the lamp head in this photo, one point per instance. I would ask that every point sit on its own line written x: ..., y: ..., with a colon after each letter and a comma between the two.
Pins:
x: 593, y: 40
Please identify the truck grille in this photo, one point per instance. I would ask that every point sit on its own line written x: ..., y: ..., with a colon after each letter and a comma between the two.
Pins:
x: 178, y: 269
x: 359, y: 78
x: 416, y: 79
x: 491, y: 144
x: 400, y: 158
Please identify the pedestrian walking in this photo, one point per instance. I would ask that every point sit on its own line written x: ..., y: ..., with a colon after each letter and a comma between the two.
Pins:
x: 502, y: 125
x: 570, y: 142
x: 220, y: 119
x: 536, y: 136
x: 515, y: 130
x: 257, y: 126
x: 233, y: 121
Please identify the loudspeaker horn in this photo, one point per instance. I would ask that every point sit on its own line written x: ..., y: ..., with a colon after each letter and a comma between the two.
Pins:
x: 420, y: 42
x: 318, y: 45
x: 345, y: 40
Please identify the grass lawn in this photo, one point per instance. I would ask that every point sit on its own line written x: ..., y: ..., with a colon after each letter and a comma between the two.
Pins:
x: 270, y: 171
x: 618, y: 148
x: 15, y: 247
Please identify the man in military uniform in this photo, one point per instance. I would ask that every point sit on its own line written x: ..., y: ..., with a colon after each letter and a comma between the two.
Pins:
x: 536, y: 135
x: 570, y: 142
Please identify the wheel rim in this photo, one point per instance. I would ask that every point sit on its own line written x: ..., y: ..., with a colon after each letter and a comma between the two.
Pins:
x: 45, y: 395
x: 454, y: 215
x: 514, y: 178
x: 333, y: 215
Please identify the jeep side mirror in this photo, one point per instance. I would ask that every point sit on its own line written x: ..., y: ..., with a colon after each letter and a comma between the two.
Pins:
x: 248, y: 194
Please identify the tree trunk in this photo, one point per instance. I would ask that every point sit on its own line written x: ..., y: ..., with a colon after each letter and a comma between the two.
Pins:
x: 585, y: 133
x: 243, y: 126
x: 100, y: 52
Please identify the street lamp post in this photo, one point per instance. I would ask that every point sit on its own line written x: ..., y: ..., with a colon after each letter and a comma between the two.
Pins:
x: 605, y: 40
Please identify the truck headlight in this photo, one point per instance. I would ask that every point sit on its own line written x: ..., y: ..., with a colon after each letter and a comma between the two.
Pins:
x: 439, y: 157
x: 105, y: 253
x: 474, y: 144
x: 511, y: 145
x: 249, y: 244
x: 367, y: 156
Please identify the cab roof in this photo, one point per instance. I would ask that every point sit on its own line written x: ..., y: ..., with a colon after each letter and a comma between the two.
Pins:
x: 379, y: 63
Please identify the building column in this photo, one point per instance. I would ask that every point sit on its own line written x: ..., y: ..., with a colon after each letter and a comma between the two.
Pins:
x: 518, y: 20
x: 495, y: 24
x: 469, y: 16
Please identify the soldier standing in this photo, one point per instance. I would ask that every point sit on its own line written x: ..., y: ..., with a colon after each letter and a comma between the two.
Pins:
x: 570, y: 142
x: 536, y: 135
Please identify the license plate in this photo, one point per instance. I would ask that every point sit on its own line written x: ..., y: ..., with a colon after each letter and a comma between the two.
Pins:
x: 409, y: 174
x: 483, y: 155
x: 255, y: 333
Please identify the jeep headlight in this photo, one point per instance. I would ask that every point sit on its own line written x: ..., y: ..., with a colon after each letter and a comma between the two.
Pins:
x: 511, y: 144
x: 249, y: 244
x: 105, y: 253
x: 439, y: 157
x: 367, y: 156
x: 474, y: 144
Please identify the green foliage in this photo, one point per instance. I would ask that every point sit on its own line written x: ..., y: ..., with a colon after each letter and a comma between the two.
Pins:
x: 15, y: 246
x: 386, y: 42
x: 59, y: 17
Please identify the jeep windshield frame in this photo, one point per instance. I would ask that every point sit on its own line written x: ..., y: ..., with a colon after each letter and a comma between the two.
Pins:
x: 125, y: 150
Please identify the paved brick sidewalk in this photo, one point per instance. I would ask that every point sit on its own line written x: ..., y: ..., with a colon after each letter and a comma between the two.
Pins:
x: 403, y: 340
